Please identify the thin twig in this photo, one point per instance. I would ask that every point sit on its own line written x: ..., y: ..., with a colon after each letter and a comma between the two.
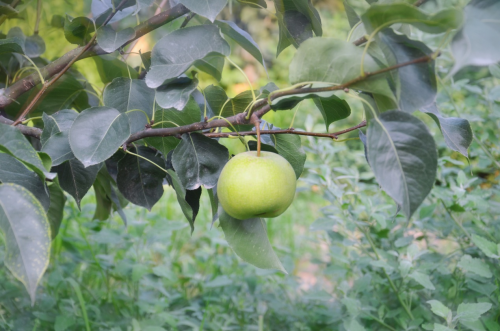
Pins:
x: 37, y: 97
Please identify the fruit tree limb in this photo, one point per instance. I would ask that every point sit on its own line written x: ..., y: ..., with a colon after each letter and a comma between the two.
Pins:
x: 8, y: 95
x: 26, y: 130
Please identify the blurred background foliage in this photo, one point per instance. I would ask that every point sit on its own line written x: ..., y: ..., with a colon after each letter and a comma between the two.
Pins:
x: 153, y: 275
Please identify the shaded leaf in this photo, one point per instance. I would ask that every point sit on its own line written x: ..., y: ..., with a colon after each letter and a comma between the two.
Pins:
x: 11, y: 45
x: 75, y: 179
x: 27, y: 235
x: 243, y: 38
x: 176, y: 94
x: 130, y: 96
x: 457, y: 132
x: 476, y: 43
x: 362, y: 137
x: 248, y: 239
x: 55, y: 213
x: 212, y: 64
x: 14, y: 172
x: 477, y: 266
x: 102, y: 8
x: 77, y: 30
x: 352, y: 17
x: 218, y: 101
x: 97, y: 133
x: 58, y: 148
x: 110, y: 68
x: 34, y: 46
x: 58, y: 122
x: 254, y: 3
x: 198, y: 160
x: 289, y: 146
x: 333, y: 109
x: 206, y: 8
x: 169, y: 62
x: 335, y: 61
x: 378, y: 16
x: 139, y: 180
x: 182, y: 196
x: 403, y: 157
x: 170, y: 118
x: 110, y: 40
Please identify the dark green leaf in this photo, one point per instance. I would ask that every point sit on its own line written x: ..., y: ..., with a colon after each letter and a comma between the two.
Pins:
x: 457, y: 132
x: 110, y: 68
x: 110, y: 40
x: 14, y: 143
x: 168, y: 62
x: 77, y: 30
x: 170, y: 118
x: 212, y: 64
x: 139, y: 180
x: 75, y: 179
x: 102, y: 8
x: 146, y: 59
x: 182, y: 194
x: 383, y: 15
x: 176, y: 94
x: 403, y: 156
x: 333, y: 109
x: 198, y: 160
x: 57, y: 21
x: 417, y: 87
x: 248, y: 239
x: 97, y: 133
x: 362, y: 137
x: 289, y: 146
x: 206, y: 8
x: 476, y: 43
x: 14, y: 172
x: 7, y: 10
x: 335, y: 61
x: 217, y: 98
x: 60, y: 121
x: 128, y: 96
x: 27, y: 235
x: 254, y: 3
x: 297, y: 20
x: 58, y: 148
x: 214, y: 203
x: 352, y: 17
x: 11, y: 45
x: 56, y: 211
x: 243, y: 38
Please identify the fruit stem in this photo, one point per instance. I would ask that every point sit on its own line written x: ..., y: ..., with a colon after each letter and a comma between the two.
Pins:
x: 256, y: 121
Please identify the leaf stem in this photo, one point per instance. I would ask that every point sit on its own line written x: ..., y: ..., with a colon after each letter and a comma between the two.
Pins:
x: 144, y: 158
x: 36, y: 68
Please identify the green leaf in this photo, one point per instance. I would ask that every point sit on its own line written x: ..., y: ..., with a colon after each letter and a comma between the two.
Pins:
x: 477, y: 266
x: 254, y: 3
x: 14, y: 172
x: 470, y: 312
x: 422, y: 279
x: 439, y: 309
x: 110, y: 68
x: 6, y: 9
x: 34, y: 46
x: 335, y: 61
x: 78, y: 30
x: 168, y: 62
x: 206, y: 8
x: 456, y: 131
x: 198, y: 161
x: 333, y: 109
x: 129, y: 96
x: 403, y: 157
x: 27, y: 235
x: 55, y: 213
x: 170, y: 118
x: 60, y: 121
x: 110, y: 40
x: 243, y: 38
x: 248, y: 239
x: 440, y: 327
x: 187, y: 199
x: 297, y: 20
x: 474, y: 325
x: 417, y: 87
x: 176, y: 94
x: 212, y: 64
x: 139, y: 180
x: 97, y: 133
x: 289, y: 146
x: 217, y: 98
x: 11, y: 45
x: 102, y: 8
x: 75, y: 179
x: 489, y: 248
x: 383, y: 15
x: 476, y: 43
x: 58, y: 148
x: 14, y: 143
x: 352, y: 16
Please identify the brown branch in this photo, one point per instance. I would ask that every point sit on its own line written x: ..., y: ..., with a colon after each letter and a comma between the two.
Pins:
x: 8, y: 95
x: 26, y: 130
x: 333, y: 135
x: 363, y: 39
x: 186, y: 21
x: 264, y: 107
x: 48, y: 84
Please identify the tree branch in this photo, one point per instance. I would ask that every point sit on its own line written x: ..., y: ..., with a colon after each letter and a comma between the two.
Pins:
x: 65, y: 69
x: 26, y: 130
x: 27, y: 83
x: 333, y: 135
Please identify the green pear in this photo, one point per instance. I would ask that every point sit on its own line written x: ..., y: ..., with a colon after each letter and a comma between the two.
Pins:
x: 256, y: 186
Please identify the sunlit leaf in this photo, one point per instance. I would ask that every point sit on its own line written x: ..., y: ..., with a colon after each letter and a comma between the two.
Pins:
x: 27, y: 235
x: 470, y: 312
x: 477, y: 266
x: 110, y: 40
